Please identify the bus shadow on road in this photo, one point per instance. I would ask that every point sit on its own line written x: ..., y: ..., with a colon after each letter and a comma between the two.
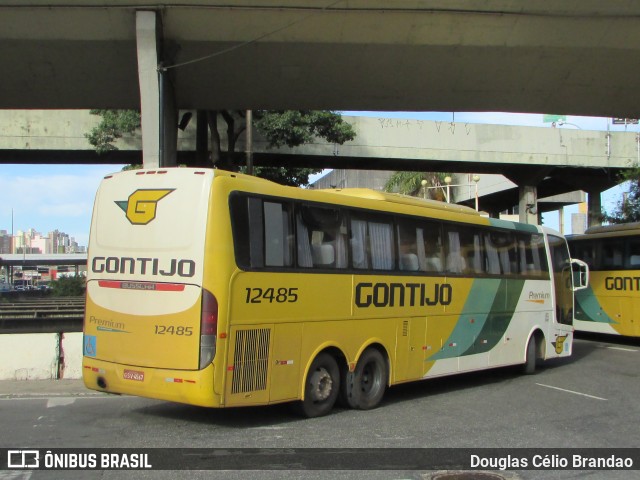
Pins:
x: 280, y: 414
x: 233, y: 417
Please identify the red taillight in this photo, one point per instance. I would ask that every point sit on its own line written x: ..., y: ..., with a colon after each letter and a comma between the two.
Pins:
x: 208, y: 328
x: 209, y: 321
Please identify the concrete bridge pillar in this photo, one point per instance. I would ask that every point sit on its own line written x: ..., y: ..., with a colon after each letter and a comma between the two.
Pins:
x: 528, y: 204
x: 594, y: 208
x: 157, y: 105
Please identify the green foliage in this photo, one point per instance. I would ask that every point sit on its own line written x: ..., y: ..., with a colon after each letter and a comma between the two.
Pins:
x: 410, y: 183
x: 68, y: 286
x: 292, y: 177
x: 131, y: 167
x: 291, y: 128
x: 297, y: 127
x: 628, y: 209
x: 113, y: 125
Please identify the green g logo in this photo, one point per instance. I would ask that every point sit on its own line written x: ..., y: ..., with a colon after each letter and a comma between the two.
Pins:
x: 141, y: 206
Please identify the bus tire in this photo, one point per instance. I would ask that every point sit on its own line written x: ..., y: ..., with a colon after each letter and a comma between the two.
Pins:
x: 531, y: 357
x: 321, y: 387
x: 366, y: 385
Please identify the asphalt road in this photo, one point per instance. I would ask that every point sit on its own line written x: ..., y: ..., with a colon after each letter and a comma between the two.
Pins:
x: 590, y: 400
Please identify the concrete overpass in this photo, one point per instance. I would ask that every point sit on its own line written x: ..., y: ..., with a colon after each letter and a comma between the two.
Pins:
x: 574, y: 57
x: 542, y: 161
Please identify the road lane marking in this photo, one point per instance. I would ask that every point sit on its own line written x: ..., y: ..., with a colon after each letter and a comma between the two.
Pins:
x: 60, y: 401
x: 13, y: 475
x: 623, y: 349
x: 9, y: 398
x: 571, y: 391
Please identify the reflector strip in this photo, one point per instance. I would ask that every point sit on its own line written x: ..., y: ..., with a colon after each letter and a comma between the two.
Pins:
x: 95, y: 369
x: 178, y: 380
x: 160, y: 287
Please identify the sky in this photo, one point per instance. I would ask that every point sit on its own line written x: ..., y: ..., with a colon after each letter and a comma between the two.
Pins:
x: 50, y: 197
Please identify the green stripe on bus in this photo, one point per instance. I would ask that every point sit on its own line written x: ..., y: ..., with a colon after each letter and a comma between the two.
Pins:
x: 484, y: 319
x: 588, y: 309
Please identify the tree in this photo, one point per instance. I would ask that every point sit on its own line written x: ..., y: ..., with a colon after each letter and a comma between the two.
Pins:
x: 68, y: 286
x: 628, y: 209
x: 410, y: 183
x: 113, y: 125
x: 286, y: 127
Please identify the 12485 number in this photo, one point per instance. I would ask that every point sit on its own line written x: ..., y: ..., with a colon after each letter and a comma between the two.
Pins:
x: 271, y: 295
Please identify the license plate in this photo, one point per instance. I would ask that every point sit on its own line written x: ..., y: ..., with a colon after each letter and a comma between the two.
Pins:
x: 134, y: 375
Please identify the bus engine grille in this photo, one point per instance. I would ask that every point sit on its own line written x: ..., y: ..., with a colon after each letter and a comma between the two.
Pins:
x: 251, y: 360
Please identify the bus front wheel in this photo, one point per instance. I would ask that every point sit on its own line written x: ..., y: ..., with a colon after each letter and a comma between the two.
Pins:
x: 321, y: 387
x: 366, y: 385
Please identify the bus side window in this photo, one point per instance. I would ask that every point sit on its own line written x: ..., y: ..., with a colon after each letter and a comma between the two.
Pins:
x: 321, y: 237
x: 532, y: 257
x: 585, y: 251
x: 430, y: 247
x: 278, y: 237
x: 455, y: 262
x: 408, y: 246
x: 372, y: 242
x: 633, y: 246
x: 612, y: 254
x: 248, y: 230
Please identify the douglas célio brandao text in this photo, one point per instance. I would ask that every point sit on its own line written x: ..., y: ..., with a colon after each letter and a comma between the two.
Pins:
x: 572, y: 461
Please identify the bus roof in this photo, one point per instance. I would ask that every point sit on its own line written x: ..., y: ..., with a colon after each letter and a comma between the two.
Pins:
x: 401, y: 199
x: 622, y: 229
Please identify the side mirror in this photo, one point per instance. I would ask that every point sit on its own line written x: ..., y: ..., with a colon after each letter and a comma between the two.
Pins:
x: 580, y: 272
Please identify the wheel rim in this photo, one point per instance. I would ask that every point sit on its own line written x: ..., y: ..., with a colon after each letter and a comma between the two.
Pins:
x: 370, y: 378
x: 321, y: 385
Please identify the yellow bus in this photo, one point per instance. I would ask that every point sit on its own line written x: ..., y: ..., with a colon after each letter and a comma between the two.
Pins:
x: 219, y: 289
x: 611, y: 303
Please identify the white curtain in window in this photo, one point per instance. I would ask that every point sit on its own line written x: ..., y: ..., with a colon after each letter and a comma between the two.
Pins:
x: 455, y: 263
x: 422, y: 255
x: 358, y: 236
x: 504, y: 259
x: 492, y: 256
x: 341, y: 251
x: 477, y: 254
x: 287, y: 238
x: 537, y: 260
x: 304, y: 249
x: 381, y: 243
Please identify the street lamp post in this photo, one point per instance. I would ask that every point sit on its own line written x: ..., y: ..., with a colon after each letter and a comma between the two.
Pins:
x: 476, y: 179
x: 447, y: 191
x: 447, y: 180
x: 562, y: 122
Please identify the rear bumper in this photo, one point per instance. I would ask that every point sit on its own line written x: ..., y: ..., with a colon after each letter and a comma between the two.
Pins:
x: 182, y: 386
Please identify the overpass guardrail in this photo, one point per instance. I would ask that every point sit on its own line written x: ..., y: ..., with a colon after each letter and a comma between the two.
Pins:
x: 42, y: 315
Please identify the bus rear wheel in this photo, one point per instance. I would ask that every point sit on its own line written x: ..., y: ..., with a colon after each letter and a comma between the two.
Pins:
x: 366, y: 385
x: 531, y: 357
x: 321, y: 387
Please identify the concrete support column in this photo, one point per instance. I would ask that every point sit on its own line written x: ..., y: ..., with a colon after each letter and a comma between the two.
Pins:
x: 158, y: 111
x: 594, y: 209
x: 528, y: 204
